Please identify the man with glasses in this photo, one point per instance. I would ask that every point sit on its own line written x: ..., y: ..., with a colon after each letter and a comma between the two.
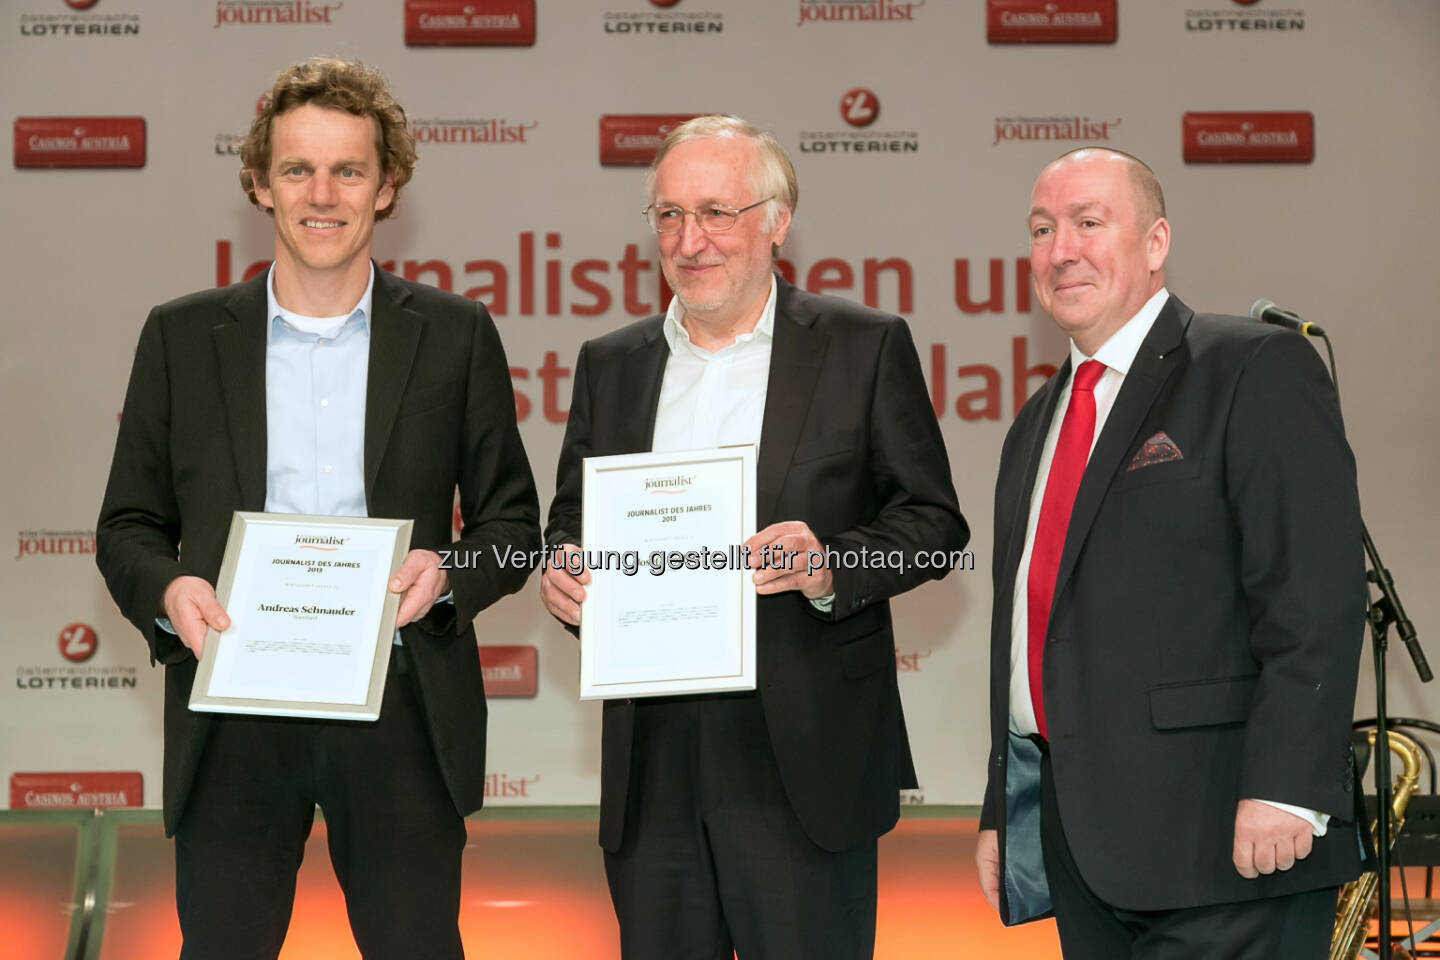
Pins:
x: 748, y: 822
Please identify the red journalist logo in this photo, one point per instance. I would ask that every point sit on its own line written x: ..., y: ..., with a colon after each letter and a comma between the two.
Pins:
x: 1263, y: 137
x: 502, y: 785
x: 857, y: 11
x: 265, y: 13
x: 1050, y: 21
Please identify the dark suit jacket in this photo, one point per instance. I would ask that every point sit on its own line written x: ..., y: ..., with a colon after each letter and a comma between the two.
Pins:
x: 439, y: 412
x: 849, y: 444
x: 1205, y: 634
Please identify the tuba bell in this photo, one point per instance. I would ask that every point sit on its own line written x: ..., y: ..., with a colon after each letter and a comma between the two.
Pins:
x: 1357, y: 897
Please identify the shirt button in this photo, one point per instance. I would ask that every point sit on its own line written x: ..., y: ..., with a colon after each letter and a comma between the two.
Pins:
x: 328, y: 468
x: 324, y: 403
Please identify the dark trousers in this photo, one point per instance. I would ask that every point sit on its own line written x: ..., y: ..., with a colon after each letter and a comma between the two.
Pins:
x: 1295, y: 927
x: 395, y: 838
x: 713, y: 861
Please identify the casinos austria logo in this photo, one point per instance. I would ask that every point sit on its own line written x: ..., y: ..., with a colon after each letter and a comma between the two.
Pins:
x: 1249, y: 137
x: 859, y: 109
x: 510, y: 671
x: 631, y: 139
x: 76, y: 18
x: 79, y: 142
x: 76, y: 791
x: 1050, y: 21
x: 476, y: 23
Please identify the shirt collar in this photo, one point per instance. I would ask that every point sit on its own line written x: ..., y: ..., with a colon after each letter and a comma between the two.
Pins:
x: 679, y: 338
x: 280, y: 318
x: 1119, y: 352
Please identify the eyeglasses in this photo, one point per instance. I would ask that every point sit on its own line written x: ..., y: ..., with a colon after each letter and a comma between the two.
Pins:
x: 712, y: 218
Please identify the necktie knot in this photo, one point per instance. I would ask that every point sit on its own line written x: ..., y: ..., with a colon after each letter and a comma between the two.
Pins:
x: 1087, y: 376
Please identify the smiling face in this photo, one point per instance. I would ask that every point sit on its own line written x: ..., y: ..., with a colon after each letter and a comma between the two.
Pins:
x: 719, y: 278
x: 324, y: 186
x: 1097, y: 252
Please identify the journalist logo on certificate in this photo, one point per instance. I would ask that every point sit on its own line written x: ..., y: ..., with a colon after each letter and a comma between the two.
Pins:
x: 671, y: 604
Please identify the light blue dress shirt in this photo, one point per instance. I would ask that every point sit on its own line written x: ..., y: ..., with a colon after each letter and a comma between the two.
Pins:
x: 315, y: 371
x: 315, y: 375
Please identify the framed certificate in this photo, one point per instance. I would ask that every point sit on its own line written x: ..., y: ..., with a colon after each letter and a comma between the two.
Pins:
x: 670, y: 608
x: 312, y: 618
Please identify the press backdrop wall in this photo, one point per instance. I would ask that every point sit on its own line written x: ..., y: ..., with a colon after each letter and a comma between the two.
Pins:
x: 924, y: 218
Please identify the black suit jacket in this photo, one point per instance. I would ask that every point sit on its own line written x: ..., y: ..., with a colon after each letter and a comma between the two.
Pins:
x: 439, y: 412
x: 849, y: 444
x: 1205, y: 634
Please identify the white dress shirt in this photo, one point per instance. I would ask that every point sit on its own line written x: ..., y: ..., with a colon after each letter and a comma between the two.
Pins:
x: 1118, y: 355
x: 713, y: 399
x: 716, y: 399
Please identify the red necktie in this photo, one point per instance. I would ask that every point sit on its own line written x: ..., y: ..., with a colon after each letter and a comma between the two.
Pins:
x: 1077, y: 430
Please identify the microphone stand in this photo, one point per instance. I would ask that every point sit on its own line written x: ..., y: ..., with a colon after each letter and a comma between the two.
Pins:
x: 1383, y: 612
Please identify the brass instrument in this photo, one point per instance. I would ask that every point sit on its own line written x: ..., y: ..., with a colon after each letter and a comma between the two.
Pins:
x: 1358, y: 896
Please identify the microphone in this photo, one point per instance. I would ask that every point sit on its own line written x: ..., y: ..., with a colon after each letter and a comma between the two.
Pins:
x: 1266, y: 312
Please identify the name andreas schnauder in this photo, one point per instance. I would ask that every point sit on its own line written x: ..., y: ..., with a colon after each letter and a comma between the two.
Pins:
x: 328, y: 611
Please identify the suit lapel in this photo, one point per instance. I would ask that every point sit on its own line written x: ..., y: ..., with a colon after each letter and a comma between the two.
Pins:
x: 240, y: 352
x: 642, y: 390
x: 1031, y: 447
x: 796, y: 355
x: 394, y: 337
x: 1152, y: 367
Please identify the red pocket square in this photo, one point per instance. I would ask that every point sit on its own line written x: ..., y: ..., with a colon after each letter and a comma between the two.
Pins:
x: 1158, y: 449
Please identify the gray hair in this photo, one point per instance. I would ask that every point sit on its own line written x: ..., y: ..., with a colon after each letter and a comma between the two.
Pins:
x: 776, y: 178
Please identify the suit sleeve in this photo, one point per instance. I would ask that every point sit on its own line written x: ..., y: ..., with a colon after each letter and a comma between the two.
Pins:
x: 498, y: 504
x: 564, y: 521
x: 138, y: 534
x: 1290, y: 478
x: 910, y: 473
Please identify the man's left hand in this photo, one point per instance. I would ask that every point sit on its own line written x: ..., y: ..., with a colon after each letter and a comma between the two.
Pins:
x: 791, y: 546
x: 420, y: 582
x: 1267, y: 839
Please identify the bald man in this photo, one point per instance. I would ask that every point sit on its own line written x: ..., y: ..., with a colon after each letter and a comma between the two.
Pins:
x: 1179, y: 602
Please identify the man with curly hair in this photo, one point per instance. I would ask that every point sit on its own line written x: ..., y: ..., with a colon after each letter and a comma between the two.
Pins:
x: 322, y: 386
